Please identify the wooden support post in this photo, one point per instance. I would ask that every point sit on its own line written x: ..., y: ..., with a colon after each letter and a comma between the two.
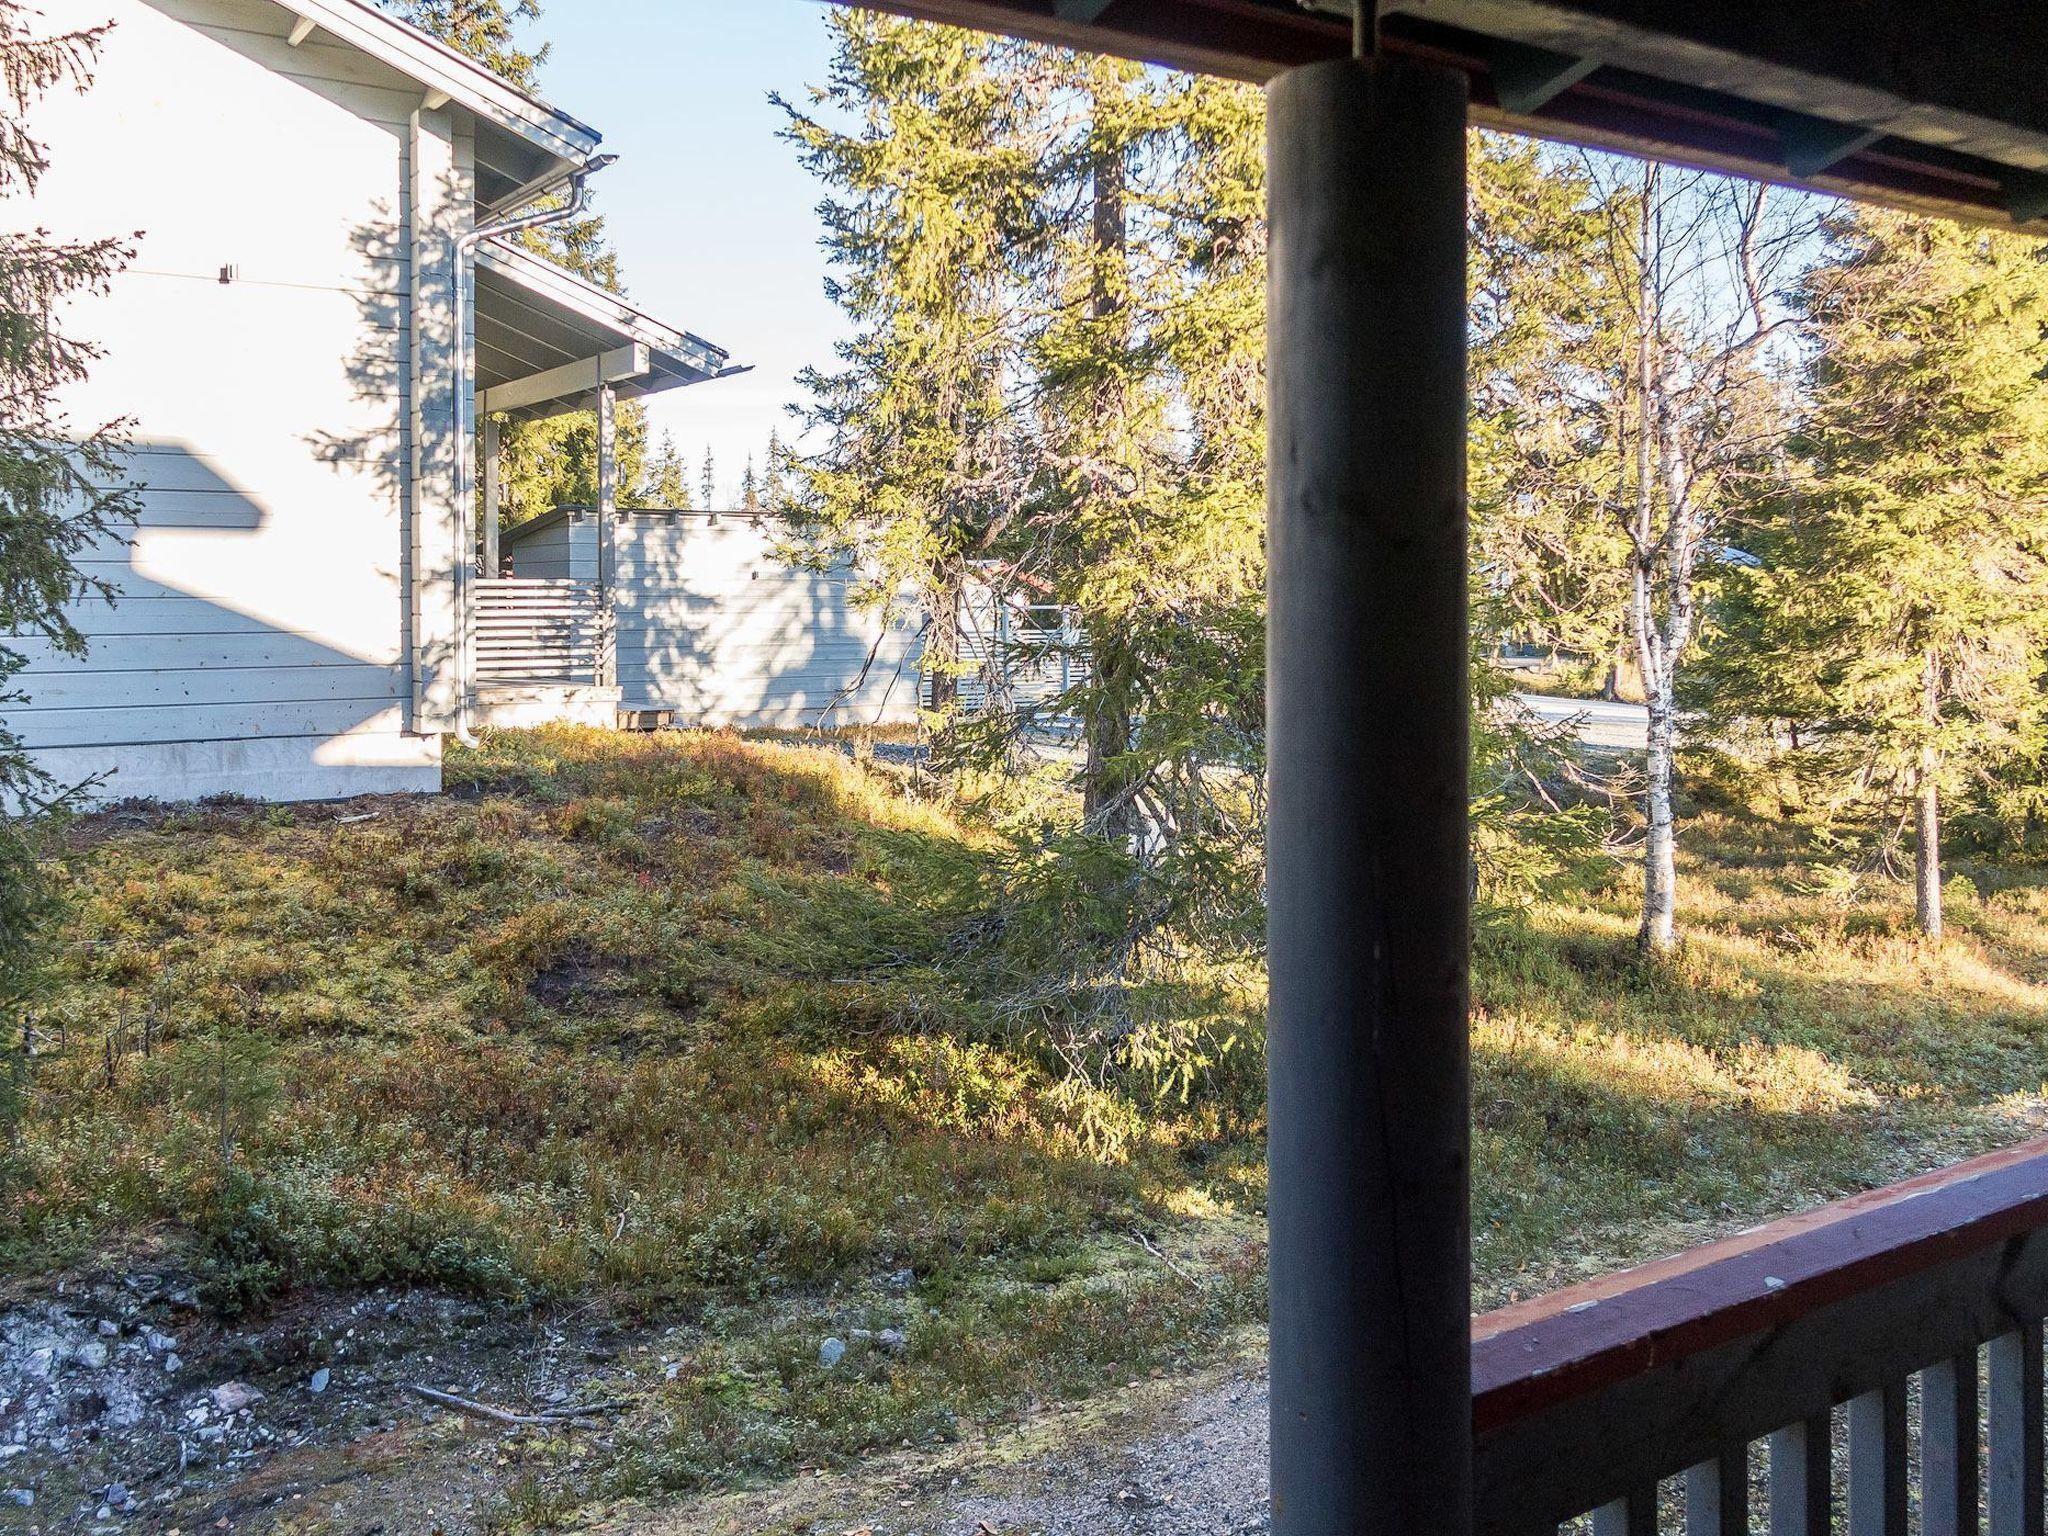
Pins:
x: 607, y: 533
x: 493, y: 448
x: 1367, y: 844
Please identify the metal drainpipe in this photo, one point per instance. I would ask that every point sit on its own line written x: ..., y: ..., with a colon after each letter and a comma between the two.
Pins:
x: 465, y: 404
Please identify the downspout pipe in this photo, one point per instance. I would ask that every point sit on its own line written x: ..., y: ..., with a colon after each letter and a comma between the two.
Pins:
x: 465, y: 408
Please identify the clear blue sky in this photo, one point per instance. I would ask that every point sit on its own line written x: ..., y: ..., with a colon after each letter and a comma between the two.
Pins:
x: 713, y: 219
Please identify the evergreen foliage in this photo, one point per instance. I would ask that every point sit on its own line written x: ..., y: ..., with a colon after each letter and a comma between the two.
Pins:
x: 931, y: 209
x: 63, y: 484
x: 1897, y: 615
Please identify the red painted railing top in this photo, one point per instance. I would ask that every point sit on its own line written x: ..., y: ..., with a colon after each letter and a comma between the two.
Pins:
x: 1570, y: 1343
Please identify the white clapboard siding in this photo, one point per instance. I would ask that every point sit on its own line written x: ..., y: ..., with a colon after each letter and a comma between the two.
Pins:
x: 258, y: 646
x: 167, y: 689
x: 344, y: 349
x: 164, y: 617
x: 258, y: 643
x: 117, y: 725
x: 218, y: 150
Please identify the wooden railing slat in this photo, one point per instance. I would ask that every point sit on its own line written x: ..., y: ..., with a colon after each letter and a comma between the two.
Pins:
x: 1633, y: 1515
x: 1948, y: 1447
x: 2015, y: 1433
x: 1877, y: 1462
x: 1801, y: 1467
x: 1717, y: 1495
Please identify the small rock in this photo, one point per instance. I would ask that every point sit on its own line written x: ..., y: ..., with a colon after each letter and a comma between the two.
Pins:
x: 9, y: 1452
x: 24, y: 1497
x: 92, y: 1354
x: 172, y: 1364
x: 319, y: 1382
x: 106, y: 1328
x: 831, y: 1352
x: 900, y: 1280
x: 234, y: 1396
x: 892, y: 1340
x: 672, y: 1370
x: 104, y: 1512
x: 159, y: 1342
x: 119, y: 1497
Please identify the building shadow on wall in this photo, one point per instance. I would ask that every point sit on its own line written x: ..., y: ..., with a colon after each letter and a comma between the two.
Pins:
x: 227, y: 657
x: 716, y: 625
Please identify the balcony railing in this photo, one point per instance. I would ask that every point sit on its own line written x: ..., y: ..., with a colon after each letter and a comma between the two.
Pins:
x: 539, y: 630
x: 1701, y: 1393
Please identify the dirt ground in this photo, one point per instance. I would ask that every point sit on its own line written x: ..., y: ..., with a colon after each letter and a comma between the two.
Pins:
x: 124, y: 1408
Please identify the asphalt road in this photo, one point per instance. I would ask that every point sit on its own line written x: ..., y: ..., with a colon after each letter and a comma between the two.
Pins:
x: 1618, y: 727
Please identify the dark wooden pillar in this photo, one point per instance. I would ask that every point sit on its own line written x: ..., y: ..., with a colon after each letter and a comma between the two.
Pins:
x: 1366, y: 709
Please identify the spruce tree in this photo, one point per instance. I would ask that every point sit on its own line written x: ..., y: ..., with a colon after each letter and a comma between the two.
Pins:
x: 1899, y: 611
x: 1147, y: 508
x: 918, y: 137
x: 1547, y: 331
x: 63, y: 484
x: 665, y: 483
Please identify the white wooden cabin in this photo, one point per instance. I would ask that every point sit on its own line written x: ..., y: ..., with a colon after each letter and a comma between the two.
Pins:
x: 713, y: 624
x: 296, y: 615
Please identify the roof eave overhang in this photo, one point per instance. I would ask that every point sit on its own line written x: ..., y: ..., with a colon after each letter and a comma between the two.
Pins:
x: 1656, y: 77
x: 442, y: 71
x: 647, y: 355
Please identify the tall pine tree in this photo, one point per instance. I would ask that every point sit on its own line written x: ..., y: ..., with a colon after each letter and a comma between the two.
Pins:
x: 930, y: 200
x: 1899, y: 611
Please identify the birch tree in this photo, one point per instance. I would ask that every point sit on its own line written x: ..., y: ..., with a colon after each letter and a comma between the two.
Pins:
x: 1700, y: 403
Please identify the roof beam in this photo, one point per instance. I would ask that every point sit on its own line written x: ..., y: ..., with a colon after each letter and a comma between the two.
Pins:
x: 302, y: 28
x: 1083, y: 11
x: 1527, y: 79
x: 577, y: 378
x: 1812, y: 144
x: 2026, y: 198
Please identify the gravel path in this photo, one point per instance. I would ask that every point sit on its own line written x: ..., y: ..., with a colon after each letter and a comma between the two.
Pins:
x: 1165, y: 1458
x: 1205, y: 1476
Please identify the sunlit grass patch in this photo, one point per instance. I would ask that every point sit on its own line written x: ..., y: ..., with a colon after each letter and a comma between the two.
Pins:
x: 708, y: 1034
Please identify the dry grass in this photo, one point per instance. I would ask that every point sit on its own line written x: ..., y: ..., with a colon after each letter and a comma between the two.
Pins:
x: 1803, y: 1044
x: 676, y: 1026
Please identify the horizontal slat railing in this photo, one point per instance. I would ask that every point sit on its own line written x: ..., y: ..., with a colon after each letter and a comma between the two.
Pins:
x: 540, y: 630
x: 1668, y: 1397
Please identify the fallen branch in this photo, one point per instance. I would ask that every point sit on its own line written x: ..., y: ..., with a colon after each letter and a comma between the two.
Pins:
x: 1159, y: 1253
x: 546, y: 1418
